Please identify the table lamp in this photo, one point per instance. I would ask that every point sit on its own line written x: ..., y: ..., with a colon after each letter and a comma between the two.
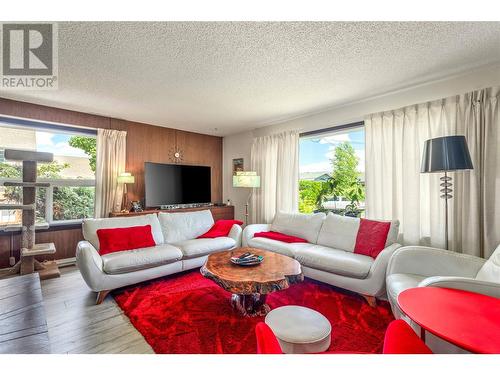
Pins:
x: 125, y: 178
x: 446, y: 154
x: 246, y: 180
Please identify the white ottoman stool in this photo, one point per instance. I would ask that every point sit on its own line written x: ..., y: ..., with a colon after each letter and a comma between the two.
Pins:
x: 300, y: 329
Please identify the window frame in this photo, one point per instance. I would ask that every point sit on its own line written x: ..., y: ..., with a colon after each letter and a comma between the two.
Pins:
x: 324, y: 132
x: 332, y: 129
x: 13, y: 122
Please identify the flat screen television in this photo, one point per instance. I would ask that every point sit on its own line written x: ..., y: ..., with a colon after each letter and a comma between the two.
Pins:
x: 172, y: 184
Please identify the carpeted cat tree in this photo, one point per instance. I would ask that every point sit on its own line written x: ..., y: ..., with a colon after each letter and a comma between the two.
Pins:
x: 29, y: 250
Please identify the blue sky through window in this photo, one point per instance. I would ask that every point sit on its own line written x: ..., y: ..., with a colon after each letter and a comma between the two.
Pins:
x: 57, y: 144
x: 316, y: 153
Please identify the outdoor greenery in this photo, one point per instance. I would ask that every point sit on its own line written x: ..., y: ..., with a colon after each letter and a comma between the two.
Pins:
x: 344, y: 181
x: 69, y: 202
x: 88, y: 145
x: 73, y: 202
x: 345, y: 175
x: 309, y: 193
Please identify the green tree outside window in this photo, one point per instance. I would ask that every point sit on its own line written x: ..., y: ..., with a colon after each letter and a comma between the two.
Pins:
x: 344, y: 181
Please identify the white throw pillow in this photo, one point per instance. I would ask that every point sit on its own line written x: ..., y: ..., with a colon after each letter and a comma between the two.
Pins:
x: 90, y: 226
x: 305, y: 226
x: 181, y: 226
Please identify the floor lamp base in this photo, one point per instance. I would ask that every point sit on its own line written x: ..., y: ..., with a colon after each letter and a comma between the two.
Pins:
x: 246, y: 214
x: 446, y: 186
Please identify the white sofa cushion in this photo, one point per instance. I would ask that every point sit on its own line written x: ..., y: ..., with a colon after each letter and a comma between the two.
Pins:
x: 181, y: 226
x: 397, y: 282
x: 283, y: 248
x: 340, y: 232
x: 201, y: 246
x: 90, y: 226
x: 305, y: 226
x: 335, y: 261
x: 139, y: 259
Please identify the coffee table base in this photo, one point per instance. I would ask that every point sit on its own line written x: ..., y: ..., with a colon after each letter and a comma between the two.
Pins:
x: 250, y: 304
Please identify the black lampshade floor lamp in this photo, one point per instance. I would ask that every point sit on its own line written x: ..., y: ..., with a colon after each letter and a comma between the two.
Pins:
x: 446, y: 154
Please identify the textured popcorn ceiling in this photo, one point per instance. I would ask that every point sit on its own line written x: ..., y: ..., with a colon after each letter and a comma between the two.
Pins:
x: 200, y: 76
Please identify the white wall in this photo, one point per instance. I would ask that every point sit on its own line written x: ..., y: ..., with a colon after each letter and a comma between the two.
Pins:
x: 458, y: 84
x: 238, y: 145
x: 234, y: 147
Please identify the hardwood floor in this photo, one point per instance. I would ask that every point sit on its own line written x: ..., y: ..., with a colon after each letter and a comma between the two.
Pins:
x: 77, y: 325
x: 23, y: 328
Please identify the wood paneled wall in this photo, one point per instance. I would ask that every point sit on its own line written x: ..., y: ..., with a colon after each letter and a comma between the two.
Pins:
x: 144, y: 143
x: 156, y: 144
x: 64, y: 239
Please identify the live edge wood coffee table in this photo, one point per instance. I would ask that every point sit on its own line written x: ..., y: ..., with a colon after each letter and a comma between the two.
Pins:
x: 250, y: 285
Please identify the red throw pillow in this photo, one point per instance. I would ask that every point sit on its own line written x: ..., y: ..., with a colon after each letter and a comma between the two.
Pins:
x: 371, y: 238
x: 112, y: 240
x: 277, y: 236
x: 221, y: 228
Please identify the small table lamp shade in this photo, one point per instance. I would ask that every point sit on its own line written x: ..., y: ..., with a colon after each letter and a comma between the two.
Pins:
x: 126, y: 178
x: 246, y: 180
x: 446, y: 154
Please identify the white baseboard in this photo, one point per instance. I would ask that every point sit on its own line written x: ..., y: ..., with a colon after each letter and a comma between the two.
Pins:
x: 66, y: 262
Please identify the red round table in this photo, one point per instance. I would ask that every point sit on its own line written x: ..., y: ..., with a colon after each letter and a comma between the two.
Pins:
x: 468, y: 320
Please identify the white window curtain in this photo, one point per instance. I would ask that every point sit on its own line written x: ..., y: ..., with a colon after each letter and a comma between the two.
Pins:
x: 275, y: 158
x: 110, y: 162
x: 395, y: 188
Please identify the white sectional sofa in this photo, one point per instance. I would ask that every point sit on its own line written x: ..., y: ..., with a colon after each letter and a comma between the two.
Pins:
x: 328, y: 256
x: 177, y: 249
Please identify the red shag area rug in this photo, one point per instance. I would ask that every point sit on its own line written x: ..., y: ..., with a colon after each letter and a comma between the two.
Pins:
x: 187, y: 313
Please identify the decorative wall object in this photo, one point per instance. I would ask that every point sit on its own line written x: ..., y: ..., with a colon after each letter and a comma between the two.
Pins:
x: 176, y: 155
x: 238, y: 165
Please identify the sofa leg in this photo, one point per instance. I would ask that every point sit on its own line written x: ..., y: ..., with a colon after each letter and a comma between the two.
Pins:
x: 101, y: 295
x: 372, y: 301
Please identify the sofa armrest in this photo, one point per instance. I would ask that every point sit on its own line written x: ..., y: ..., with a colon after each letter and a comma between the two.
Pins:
x: 383, y: 258
x: 251, y: 229
x: 378, y: 269
x: 235, y: 234
x: 89, y: 263
x: 429, y: 261
x: 463, y: 283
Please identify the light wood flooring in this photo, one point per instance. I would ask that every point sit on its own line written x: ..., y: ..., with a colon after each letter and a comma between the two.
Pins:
x: 77, y: 325
x: 23, y: 327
